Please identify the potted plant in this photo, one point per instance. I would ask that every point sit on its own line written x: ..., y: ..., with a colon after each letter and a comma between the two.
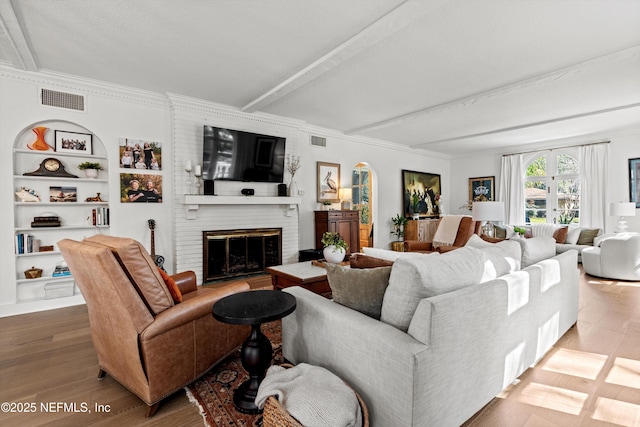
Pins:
x: 90, y: 168
x: 398, y: 229
x: 335, y: 248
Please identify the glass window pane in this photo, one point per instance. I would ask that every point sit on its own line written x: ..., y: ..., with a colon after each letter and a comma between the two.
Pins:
x: 355, y: 177
x: 535, y: 194
x: 365, y: 177
x: 567, y: 164
x: 538, y: 167
x: 355, y: 195
x: 365, y: 194
x: 568, y: 200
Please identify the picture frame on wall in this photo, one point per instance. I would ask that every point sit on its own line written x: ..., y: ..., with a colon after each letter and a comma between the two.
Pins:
x: 426, y: 188
x: 482, y: 189
x: 140, y: 188
x: 634, y: 181
x: 328, y: 182
x: 73, y: 142
x: 140, y: 154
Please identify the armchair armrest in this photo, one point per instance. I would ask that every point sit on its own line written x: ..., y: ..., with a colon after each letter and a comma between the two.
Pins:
x: 191, y: 309
x: 417, y: 246
x: 186, y: 281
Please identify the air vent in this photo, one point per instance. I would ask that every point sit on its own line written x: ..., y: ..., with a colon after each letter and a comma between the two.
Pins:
x: 58, y: 99
x: 318, y: 141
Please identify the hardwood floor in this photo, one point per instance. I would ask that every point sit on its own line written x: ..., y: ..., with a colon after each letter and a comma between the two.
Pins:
x: 590, y: 378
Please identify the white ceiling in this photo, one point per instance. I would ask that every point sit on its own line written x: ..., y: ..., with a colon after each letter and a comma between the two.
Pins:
x: 452, y: 76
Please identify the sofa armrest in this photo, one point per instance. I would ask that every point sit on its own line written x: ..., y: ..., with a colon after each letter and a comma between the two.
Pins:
x: 417, y: 246
x: 191, y: 309
x: 186, y: 281
x: 445, y: 249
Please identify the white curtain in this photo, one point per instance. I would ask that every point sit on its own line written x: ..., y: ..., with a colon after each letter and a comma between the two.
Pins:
x: 594, y: 160
x: 512, y: 188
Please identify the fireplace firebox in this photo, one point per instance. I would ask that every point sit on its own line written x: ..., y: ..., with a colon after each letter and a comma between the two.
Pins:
x: 234, y: 253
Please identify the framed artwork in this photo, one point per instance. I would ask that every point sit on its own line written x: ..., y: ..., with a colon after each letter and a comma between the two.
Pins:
x: 63, y: 194
x: 482, y: 189
x: 328, y: 182
x: 140, y: 154
x: 421, y: 194
x: 140, y: 188
x: 73, y: 142
x: 634, y: 181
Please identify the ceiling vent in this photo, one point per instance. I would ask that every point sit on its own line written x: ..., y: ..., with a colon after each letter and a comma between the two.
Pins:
x: 318, y: 141
x: 54, y: 98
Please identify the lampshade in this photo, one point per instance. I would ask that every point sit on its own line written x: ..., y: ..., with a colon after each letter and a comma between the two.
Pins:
x: 345, y: 194
x: 622, y: 209
x: 488, y: 211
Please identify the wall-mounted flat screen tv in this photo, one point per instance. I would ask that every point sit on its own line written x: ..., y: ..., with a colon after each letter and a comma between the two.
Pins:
x: 235, y: 155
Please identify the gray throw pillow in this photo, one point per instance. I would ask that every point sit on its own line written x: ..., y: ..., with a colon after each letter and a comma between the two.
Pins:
x: 359, y: 289
x: 536, y: 249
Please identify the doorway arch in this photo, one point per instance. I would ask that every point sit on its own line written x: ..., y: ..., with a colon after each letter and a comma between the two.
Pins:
x: 363, y: 200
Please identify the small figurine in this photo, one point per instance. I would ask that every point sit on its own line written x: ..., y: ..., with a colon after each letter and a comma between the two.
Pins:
x: 94, y: 199
x: 28, y: 195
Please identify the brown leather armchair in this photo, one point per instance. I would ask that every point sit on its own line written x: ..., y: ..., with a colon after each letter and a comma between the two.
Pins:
x: 145, y: 341
x: 467, y: 228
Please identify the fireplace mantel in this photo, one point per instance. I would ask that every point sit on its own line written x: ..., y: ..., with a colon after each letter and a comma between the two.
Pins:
x: 193, y: 202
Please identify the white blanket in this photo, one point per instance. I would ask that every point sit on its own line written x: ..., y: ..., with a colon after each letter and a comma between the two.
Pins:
x: 447, y: 230
x: 312, y: 395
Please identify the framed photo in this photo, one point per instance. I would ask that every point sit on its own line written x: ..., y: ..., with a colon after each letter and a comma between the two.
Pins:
x: 423, y: 188
x: 140, y: 188
x: 63, y: 194
x: 482, y: 189
x: 328, y: 182
x: 634, y: 181
x: 140, y: 154
x: 73, y: 142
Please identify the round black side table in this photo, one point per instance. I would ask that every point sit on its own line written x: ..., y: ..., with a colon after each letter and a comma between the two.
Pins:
x: 253, y: 308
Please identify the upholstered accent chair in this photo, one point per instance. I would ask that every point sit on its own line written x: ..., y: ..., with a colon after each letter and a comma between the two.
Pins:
x: 150, y: 344
x: 466, y: 229
x: 614, y: 257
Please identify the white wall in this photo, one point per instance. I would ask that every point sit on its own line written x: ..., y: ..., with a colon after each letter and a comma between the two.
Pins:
x: 624, y: 145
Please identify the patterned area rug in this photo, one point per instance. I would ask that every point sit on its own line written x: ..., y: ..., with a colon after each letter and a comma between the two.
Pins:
x: 213, y: 393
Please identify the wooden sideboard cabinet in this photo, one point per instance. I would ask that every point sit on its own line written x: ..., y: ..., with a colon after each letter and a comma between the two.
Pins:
x: 346, y: 223
x: 421, y: 229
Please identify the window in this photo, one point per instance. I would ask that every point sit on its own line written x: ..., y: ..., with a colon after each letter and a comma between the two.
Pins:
x: 552, y: 189
x: 360, y: 191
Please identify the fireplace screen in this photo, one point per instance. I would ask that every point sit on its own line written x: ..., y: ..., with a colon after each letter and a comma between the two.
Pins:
x: 234, y: 253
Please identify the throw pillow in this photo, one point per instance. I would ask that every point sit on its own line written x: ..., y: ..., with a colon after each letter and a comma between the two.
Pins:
x: 390, y: 255
x: 171, y: 284
x: 561, y: 234
x: 366, y: 261
x: 536, y: 249
x: 359, y: 289
x: 572, y: 236
x: 587, y: 235
x: 501, y: 258
x: 476, y: 241
x: 413, y: 279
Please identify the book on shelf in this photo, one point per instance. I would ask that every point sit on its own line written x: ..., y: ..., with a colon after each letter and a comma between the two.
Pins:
x: 40, y: 224
x: 100, y: 216
x: 61, y: 271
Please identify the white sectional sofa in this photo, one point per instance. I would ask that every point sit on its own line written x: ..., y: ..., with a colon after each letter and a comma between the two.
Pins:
x: 455, y: 330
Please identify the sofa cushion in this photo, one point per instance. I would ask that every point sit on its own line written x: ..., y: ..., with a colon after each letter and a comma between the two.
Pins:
x: 500, y: 258
x: 536, y: 249
x: 587, y: 235
x: 573, y: 234
x: 390, y: 255
x: 366, y: 261
x: 413, y: 279
x: 138, y: 265
x: 359, y: 289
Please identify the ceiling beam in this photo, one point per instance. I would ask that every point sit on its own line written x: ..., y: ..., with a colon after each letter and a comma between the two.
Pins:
x: 12, y: 40
x: 395, y: 20
x: 538, y: 80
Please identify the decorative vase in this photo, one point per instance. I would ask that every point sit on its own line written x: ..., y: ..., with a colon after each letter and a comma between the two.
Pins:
x: 91, y: 173
x: 293, y: 188
x: 39, y: 144
x: 397, y: 246
x: 415, y: 216
x: 333, y: 255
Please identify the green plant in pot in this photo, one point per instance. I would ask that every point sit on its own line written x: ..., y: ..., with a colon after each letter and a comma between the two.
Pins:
x: 335, y: 248
x: 90, y: 168
x: 398, y: 229
x: 415, y: 206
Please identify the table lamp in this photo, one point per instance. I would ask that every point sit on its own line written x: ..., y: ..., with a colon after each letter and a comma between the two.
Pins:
x: 488, y: 211
x: 345, y: 197
x: 622, y: 209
